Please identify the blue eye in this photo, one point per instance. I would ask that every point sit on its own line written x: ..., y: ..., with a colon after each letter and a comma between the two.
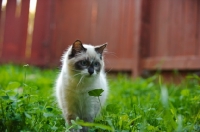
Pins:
x: 83, y: 63
x: 96, y: 64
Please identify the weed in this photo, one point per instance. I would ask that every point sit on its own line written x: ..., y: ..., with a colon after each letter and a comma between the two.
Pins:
x: 27, y: 103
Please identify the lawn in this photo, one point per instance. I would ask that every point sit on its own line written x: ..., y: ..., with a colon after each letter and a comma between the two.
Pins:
x: 27, y: 103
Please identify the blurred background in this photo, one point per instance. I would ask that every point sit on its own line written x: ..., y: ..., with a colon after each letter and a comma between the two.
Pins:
x: 142, y: 35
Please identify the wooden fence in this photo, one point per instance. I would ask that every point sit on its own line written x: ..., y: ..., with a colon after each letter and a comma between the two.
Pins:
x: 141, y: 34
x: 171, y: 34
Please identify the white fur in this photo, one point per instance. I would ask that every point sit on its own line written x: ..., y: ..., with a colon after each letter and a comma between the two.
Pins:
x: 72, y: 87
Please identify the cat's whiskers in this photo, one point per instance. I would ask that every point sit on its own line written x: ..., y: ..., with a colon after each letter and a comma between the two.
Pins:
x: 111, y: 53
x: 80, y: 80
x: 108, y: 70
x: 76, y: 70
x: 76, y: 74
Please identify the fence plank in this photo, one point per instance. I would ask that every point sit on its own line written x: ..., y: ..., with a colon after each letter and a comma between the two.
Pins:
x: 10, y: 44
x: 136, y: 37
x: 40, y: 53
x: 122, y: 47
x: 161, y: 48
x: 153, y: 28
x: 133, y: 30
x: 23, y: 25
x: 198, y: 30
x: 190, y: 19
x: 0, y: 9
x: 1, y: 27
x: 145, y: 28
x: 175, y: 33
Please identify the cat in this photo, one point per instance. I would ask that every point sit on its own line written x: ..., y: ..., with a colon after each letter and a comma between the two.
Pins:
x: 82, y: 71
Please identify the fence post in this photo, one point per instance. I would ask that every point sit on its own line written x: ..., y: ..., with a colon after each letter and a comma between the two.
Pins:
x: 136, y: 38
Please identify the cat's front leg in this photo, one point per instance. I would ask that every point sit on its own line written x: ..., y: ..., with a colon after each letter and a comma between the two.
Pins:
x: 88, y: 119
x: 69, y: 117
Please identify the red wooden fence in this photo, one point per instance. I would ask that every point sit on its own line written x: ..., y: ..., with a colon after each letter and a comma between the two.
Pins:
x: 141, y: 34
x: 171, y: 31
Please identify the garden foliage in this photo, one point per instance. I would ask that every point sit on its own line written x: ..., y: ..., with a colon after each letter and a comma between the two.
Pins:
x: 27, y: 103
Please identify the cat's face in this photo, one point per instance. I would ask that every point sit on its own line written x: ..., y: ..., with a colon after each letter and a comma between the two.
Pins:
x: 86, y: 60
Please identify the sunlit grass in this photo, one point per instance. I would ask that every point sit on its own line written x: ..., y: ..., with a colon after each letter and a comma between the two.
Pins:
x: 27, y: 103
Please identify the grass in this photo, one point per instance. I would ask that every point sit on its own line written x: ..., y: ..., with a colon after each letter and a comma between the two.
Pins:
x: 27, y: 103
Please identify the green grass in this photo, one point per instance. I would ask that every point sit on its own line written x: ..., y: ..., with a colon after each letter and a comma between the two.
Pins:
x: 27, y: 103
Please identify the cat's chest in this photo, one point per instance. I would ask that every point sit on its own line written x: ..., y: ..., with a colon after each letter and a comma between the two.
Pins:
x: 84, y: 102
x: 84, y: 86
x: 79, y: 94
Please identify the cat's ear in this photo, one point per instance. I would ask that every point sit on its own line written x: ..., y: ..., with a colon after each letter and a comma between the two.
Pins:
x: 100, y: 49
x: 77, y: 47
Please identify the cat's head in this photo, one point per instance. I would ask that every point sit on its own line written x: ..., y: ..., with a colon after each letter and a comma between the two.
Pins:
x: 86, y: 59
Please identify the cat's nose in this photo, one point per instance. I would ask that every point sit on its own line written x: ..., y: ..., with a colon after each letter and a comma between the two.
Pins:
x: 91, y: 70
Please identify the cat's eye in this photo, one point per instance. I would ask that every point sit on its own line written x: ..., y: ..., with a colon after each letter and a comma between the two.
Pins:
x: 84, y: 63
x: 96, y: 64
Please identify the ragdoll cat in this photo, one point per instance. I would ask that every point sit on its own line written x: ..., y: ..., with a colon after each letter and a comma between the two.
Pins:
x: 82, y: 71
